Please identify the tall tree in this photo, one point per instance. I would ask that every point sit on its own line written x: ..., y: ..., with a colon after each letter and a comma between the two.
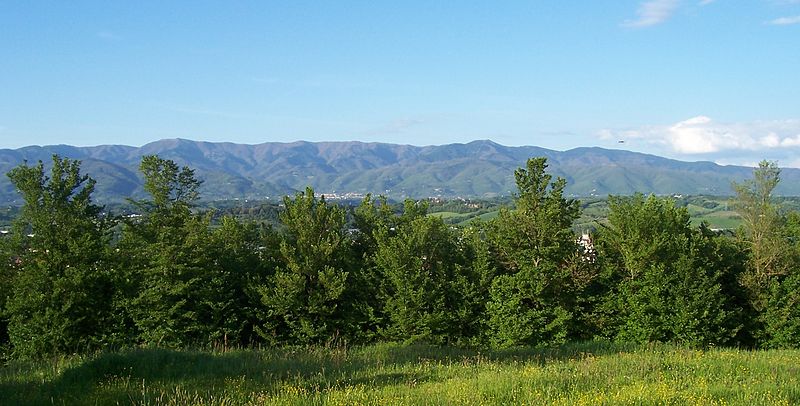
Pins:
x: 771, y: 240
x: 61, y: 294
x: 532, y: 301
x: 762, y: 229
x: 169, y: 186
x: 179, y: 289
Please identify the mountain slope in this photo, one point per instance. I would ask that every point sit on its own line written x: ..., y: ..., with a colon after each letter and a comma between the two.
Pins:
x: 475, y: 169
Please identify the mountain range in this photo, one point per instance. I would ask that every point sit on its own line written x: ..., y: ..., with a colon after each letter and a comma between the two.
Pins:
x: 476, y: 169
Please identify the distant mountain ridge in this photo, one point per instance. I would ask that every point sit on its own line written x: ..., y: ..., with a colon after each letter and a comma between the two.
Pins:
x: 475, y: 169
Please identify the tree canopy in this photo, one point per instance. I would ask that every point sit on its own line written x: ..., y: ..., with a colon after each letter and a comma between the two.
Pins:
x: 75, y: 278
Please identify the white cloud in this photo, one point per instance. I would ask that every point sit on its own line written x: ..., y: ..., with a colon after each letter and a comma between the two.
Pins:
x: 652, y: 12
x: 791, y: 141
x: 706, y: 2
x: 702, y: 135
x: 785, y: 21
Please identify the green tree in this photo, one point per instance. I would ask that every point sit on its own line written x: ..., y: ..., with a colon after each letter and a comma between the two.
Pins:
x: 60, y: 296
x: 430, y: 287
x: 245, y: 256
x: 533, y: 299
x: 762, y: 230
x: 667, y: 284
x: 170, y: 186
x: 771, y: 239
x: 646, y: 231
x: 782, y: 314
x: 538, y: 230
x: 308, y: 299
x: 8, y: 269
x: 180, y: 293
x: 371, y: 218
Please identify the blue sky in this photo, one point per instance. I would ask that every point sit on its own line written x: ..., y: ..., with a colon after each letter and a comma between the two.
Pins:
x: 689, y: 79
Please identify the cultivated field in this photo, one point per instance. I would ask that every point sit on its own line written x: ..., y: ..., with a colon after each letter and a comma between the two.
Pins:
x: 590, y: 374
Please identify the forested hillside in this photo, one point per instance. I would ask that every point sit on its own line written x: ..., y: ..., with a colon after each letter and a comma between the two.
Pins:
x: 476, y: 169
x: 75, y: 279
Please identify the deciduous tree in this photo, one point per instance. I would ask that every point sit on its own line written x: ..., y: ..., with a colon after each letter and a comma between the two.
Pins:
x: 665, y: 283
x: 308, y: 298
x: 61, y: 293
x: 532, y: 300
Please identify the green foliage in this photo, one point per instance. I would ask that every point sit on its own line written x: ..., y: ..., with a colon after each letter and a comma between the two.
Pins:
x: 60, y: 286
x: 667, y: 284
x: 371, y: 218
x: 167, y: 184
x: 762, y: 230
x: 538, y: 230
x: 430, y: 286
x: 782, y: 314
x: 175, y: 303
x: 720, y: 262
x: 523, y: 311
x: 246, y: 256
x: 307, y: 297
x: 7, y: 272
x: 646, y: 231
x: 185, y: 285
x: 532, y: 302
x: 73, y: 279
x: 770, y: 237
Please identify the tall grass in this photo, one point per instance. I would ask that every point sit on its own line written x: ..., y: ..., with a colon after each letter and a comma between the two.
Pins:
x: 589, y: 373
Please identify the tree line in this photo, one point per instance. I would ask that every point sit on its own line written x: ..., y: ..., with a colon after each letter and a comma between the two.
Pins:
x: 74, y: 279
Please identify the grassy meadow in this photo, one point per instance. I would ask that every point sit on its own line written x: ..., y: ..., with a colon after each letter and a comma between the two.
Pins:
x: 591, y: 374
x: 713, y: 210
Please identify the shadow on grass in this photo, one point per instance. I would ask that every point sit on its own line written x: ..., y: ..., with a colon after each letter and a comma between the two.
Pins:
x: 132, y: 376
x: 408, y: 354
x: 135, y: 375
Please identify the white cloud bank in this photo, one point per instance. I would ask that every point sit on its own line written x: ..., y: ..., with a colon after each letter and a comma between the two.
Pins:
x: 785, y: 21
x: 652, y: 12
x: 702, y: 135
